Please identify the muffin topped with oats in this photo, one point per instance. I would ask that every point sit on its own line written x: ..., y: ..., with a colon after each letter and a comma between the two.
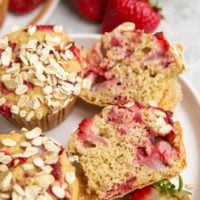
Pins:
x: 40, y: 76
x: 33, y: 166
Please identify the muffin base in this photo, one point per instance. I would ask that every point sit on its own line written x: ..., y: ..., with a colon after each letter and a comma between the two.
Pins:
x: 48, y: 122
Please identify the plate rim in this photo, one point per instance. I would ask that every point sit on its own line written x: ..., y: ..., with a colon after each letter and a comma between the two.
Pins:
x: 49, y: 12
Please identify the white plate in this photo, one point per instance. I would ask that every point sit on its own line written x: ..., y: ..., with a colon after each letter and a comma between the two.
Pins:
x: 188, y: 113
x: 22, y: 20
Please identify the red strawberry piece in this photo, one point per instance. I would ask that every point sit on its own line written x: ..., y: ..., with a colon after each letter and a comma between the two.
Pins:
x: 91, y: 9
x: 56, y: 172
x: 85, y: 128
x: 3, y: 89
x: 146, y: 193
x: 75, y: 50
x: 116, y: 116
x: 123, y: 130
x: 17, y: 161
x: 124, y: 117
x: 140, y: 12
x: 1, y: 51
x: 61, y: 151
x: 29, y: 84
x: 24, y: 6
x: 137, y: 106
x: 120, y: 188
x: 163, y: 150
x: 12, y: 45
x: 138, y: 118
x: 137, y: 109
x: 155, y: 156
x: 164, y: 44
x: 115, y: 41
x: 169, y: 119
x: 44, y: 27
x: 87, y: 136
x: 5, y: 110
x: 5, y: 151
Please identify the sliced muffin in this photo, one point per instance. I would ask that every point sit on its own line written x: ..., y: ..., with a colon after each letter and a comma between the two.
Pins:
x: 128, y: 64
x: 33, y: 166
x: 40, y: 76
x: 125, y: 148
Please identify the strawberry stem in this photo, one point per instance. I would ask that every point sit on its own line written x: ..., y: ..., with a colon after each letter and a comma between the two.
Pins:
x: 166, y: 188
x: 180, y: 180
x: 156, y: 6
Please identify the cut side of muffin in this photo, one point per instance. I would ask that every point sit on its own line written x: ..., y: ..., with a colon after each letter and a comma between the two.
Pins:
x: 125, y: 148
x: 40, y: 76
x: 33, y: 166
x: 128, y: 64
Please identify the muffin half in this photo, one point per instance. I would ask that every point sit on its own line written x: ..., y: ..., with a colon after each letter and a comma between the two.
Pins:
x: 126, y: 148
x: 128, y: 64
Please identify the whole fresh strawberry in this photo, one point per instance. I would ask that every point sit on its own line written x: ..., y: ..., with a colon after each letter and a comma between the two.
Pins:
x: 91, y: 9
x: 163, y: 190
x: 141, y: 12
x: 23, y: 6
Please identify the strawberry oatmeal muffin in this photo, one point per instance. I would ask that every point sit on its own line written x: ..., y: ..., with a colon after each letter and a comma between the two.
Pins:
x: 126, y: 148
x: 40, y: 76
x: 33, y: 166
x: 130, y: 64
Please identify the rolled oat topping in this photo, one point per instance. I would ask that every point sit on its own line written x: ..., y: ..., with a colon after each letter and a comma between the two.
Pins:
x: 40, y: 160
